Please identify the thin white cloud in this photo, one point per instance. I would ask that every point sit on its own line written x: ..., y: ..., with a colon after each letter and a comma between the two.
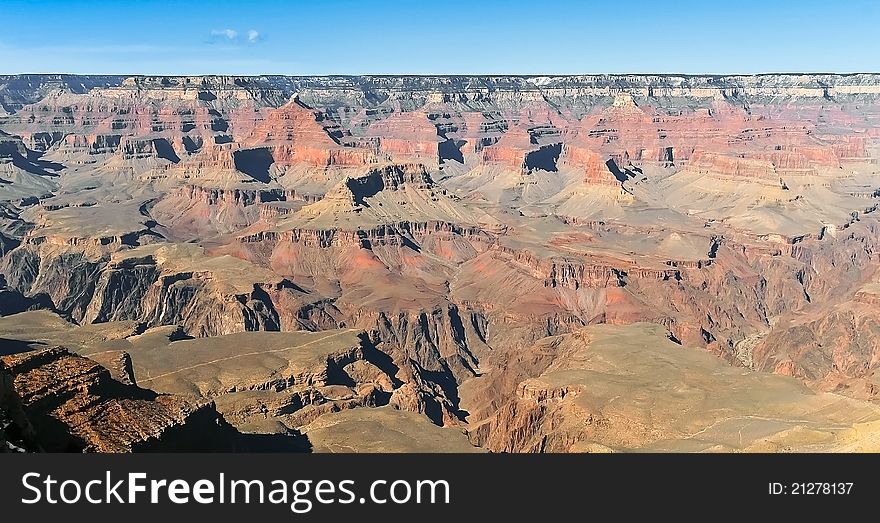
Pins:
x: 229, y: 34
x: 235, y: 37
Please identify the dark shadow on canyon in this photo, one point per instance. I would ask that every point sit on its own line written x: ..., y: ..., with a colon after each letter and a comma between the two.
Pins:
x: 451, y: 150
x: 544, y: 158
x: 254, y: 163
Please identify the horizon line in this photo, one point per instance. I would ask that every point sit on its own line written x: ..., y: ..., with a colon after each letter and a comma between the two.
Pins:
x: 429, y: 75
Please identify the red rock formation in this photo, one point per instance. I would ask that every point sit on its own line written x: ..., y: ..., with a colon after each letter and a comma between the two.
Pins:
x: 472, y: 268
x: 294, y: 134
x: 849, y: 147
x: 628, y: 131
x: 478, y: 131
x: 594, y: 165
x: 732, y: 167
x: 518, y: 151
x: 407, y: 136
x: 510, y: 149
x: 807, y: 155
x: 214, y: 161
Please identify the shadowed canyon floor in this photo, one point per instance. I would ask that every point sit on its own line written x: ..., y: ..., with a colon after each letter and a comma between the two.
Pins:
x: 505, y: 264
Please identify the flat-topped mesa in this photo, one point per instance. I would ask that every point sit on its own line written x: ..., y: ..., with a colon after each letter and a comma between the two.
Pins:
x: 735, y: 168
x: 305, y: 366
x: 580, y: 273
x: 598, y: 169
x: 233, y: 196
x: 391, y: 234
x: 93, y: 229
x: 270, y: 212
x: 390, y: 178
x: 353, y: 191
x: 131, y: 148
x: 239, y: 196
x: 91, y: 143
x: 625, y: 108
x: 215, y: 162
x: 407, y: 136
x: 351, y: 238
x: 518, y: 151
x: 90, y: 245
x: 293, y: 133
x: 178, y: 284
x: 387, y: 194
x: 128, y: 147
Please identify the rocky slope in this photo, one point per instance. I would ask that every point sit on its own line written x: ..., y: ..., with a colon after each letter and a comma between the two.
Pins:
x: 63, y: 402
x: 452, y: 222
x: 606, y: 388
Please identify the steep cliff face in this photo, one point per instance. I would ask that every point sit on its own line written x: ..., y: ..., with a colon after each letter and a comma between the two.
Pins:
x: 19, y: 90
x: 74, y: 405
x: 753, y: 170
x: 578, y: 93
x: 511, y: 150
x: 22, y: 175
x: 836, y: 351
x: 16, y: 432
x: 284, y: 378
x: 407, y: 137
x: 156, y: 285
x: 596, y: 168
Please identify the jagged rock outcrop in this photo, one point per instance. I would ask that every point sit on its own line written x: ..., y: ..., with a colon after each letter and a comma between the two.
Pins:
x: 74, y: 405
x: 16, y: 432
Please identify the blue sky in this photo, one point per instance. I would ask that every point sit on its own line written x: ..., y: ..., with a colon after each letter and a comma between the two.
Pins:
x: 438, y: 37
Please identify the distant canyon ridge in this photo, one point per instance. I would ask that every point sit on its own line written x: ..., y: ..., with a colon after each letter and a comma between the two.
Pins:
x: 594, y: 263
